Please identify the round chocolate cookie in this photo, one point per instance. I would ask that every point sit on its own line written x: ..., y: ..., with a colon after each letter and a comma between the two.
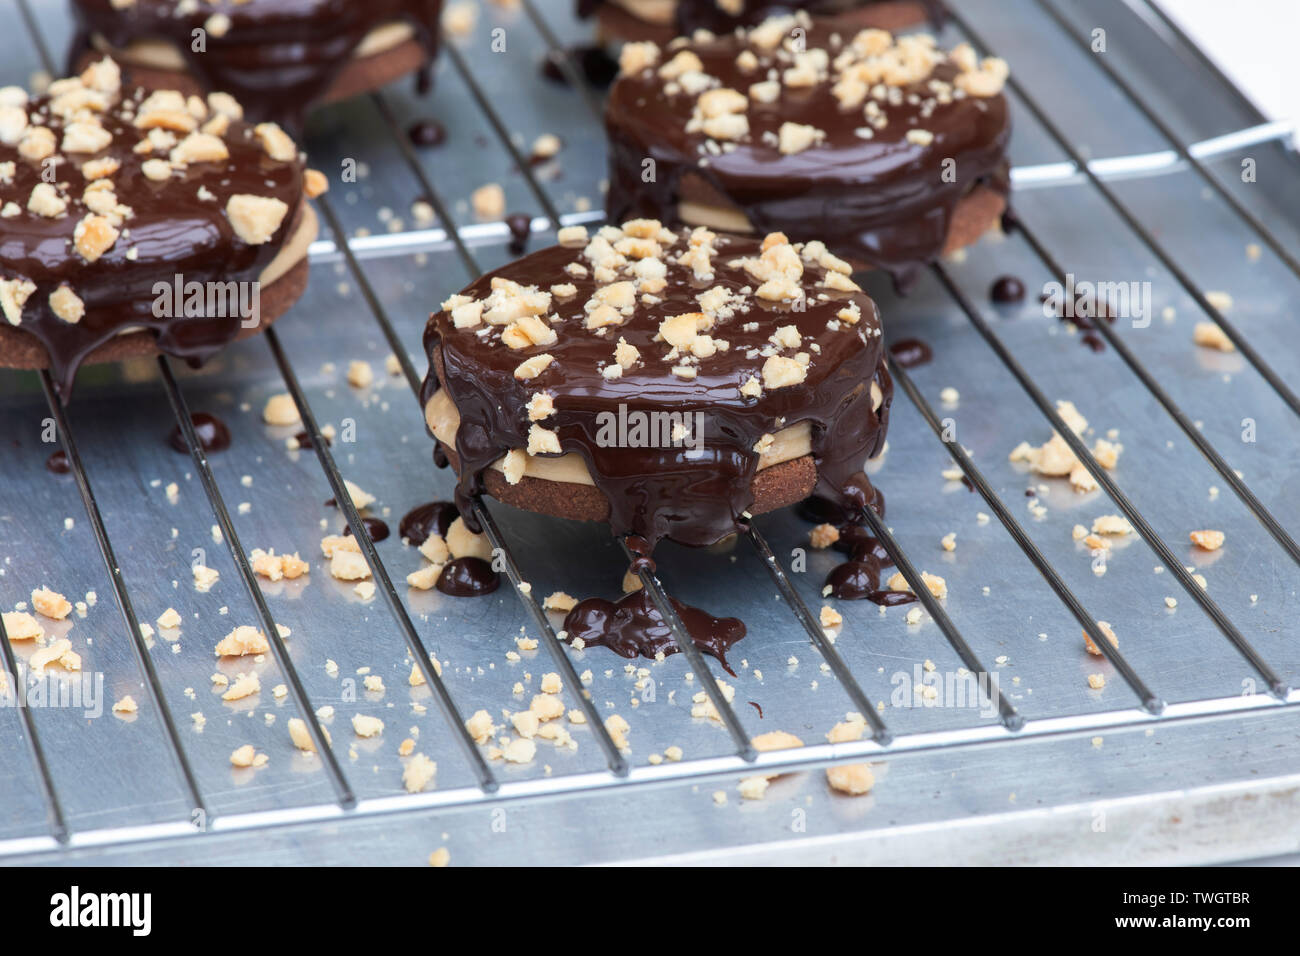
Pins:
x: 884, y: 147
x: 659, y: 21
x: 168, y: 224
x: 669, y: 382
x: 277, y: 57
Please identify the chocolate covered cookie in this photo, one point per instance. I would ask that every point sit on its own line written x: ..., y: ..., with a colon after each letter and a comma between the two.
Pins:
x: 886, y: 148
x: 134, y: 222
x: 277, y: 57
x: 662, y: 20
x: 670, y: 382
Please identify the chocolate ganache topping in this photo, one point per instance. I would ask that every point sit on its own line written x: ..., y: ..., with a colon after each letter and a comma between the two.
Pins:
x: 868, y: 142
x: 721, y: 16
x: 278, y: 57
x: 666, y: 368
x: 114, y: 201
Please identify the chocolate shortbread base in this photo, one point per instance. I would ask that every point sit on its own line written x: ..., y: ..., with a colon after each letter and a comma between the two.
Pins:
x: 777, y: 487
x: 361, y: 75
x: 615, y: 25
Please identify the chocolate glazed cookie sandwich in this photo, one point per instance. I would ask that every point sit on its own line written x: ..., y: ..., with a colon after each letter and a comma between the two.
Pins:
x: 277, y: 57
x: 662, y: 20
x: 136, y: 222
x: 885, y: 148
x: 671, y: 383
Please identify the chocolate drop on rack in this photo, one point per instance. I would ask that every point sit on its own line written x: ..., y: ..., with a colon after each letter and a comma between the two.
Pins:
x: 468, y: 577
x: 377, y: 528
x: 212, y: 433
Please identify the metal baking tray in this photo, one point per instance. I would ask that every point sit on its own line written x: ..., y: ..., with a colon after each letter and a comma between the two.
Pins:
x: 1129, y: 169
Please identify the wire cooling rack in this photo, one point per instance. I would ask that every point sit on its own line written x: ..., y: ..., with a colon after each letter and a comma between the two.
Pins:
x: 1129, y: 149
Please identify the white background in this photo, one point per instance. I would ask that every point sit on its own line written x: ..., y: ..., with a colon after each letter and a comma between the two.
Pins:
x: 1256, y: 42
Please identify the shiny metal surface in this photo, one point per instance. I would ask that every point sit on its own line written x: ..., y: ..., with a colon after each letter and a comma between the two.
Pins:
x: 1187, y: 758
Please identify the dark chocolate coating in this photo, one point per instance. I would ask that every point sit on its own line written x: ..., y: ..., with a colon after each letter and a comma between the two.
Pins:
x: 278, y: 58
x: 172, y: 232
x: 883, y: 201
x: 692, y: 15
x: 658, y: 492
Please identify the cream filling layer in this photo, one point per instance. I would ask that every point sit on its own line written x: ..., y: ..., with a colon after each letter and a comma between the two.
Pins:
x: 660, y: 12
x: 295, y: 250
x: 151, y: 53
x: 721, y: 218
x: 443, y: 420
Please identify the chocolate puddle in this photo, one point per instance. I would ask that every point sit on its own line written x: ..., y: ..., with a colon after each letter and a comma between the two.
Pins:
x: 433, y: 517
x: 633, y: 626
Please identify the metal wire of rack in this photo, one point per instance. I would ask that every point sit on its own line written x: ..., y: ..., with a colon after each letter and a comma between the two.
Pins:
x: 883, y: 743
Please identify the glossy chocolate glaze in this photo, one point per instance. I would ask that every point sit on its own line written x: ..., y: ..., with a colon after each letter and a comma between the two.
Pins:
x: 658, y: 492
x: 692, y: 15
x: 278, y: 57
x: 883, y: 201
x: 632, y: 625
x: 171, y: 232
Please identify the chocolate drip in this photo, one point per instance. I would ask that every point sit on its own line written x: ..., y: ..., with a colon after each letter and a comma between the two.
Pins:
x: 592, y: 63
x: 886, y: 201
x: 278, y: 57
x: 633, y: 625
x: 212, y: 433
x: 173, y: 234
x: 693, y: 495
x: 433, y: 517
x: 468, y: 577
x: 521, y: 227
